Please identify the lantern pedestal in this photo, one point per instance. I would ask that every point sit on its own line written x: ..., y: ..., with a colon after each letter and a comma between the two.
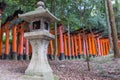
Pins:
x: 39, y: 37
x: 39, y: 64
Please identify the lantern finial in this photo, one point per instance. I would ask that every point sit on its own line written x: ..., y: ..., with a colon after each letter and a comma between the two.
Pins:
x: 41, y: 4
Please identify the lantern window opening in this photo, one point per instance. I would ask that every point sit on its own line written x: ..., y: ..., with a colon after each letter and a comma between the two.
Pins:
x: 36, y: 25
x: 46, y: 25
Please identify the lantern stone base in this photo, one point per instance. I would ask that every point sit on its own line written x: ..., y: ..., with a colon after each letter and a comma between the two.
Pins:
x: 39, y: 66
x: 28, y: 77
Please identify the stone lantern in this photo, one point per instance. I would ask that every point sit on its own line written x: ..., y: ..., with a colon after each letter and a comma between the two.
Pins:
x: 39, y: 37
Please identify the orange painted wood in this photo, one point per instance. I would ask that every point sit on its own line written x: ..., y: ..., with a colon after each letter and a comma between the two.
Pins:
x: 75, y: 45
x: 61, y: 39
x: 21, y: 42
x: 65, y: 45
x: 1, y: 33
x: 7, y: 42
x: 14, y: 39
x: 105, y: 50
x: 73, y: 53
x: 100, y: 47
x: 69, y: 46
x: 103, y: 46
x: 27, y: 47
x: 90, y: 44
x: 98, y: 42
x: 87, y: 46
x: 93, y: 46
x: 51, y: 47
x: 80, y: 44
x: 58, y: 47
x: 30, y: 49
x: 107, y: 46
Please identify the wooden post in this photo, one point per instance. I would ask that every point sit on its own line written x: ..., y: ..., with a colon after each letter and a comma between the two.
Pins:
x: 69, y: 42
x: 21, y: 45
x: 51, y: 49
x: 98, y: 41
x: 65, y: 47
x: 73, y: 48
x: 58, y: 55
x: 27, y: 49
x: 30, y: 51
x: 79, y: 45
x: 62, y: 57
x: 1, y: 33
x: 90, y: 44
x: 93, y: 46
x: 14, y: 43
x: 69, y: 48
x: 20, y: 31
x: 86, y: 45
x: 76, y: 46
x: 6, y: 56
x: 2, y: 7
x: 69, y: 45
x: 101, y: 50
x: 103, y: 47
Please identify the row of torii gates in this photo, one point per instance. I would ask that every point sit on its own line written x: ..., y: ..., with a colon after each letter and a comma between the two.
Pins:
x: 69, y: 45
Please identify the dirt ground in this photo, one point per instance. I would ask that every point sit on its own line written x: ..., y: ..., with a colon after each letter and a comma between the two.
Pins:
x: 104, y: 68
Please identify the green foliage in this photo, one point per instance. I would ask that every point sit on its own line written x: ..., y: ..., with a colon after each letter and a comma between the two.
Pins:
x: 77, y: 13
x: 4, y: 38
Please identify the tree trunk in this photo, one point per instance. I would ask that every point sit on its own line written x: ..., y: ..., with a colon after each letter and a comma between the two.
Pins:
x: 117, y: 14
x: 56, y: 42
x: 114, y: 31
x: 109, y: 27
x: 87, y: 55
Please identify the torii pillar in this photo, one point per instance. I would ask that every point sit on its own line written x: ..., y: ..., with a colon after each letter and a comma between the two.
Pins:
x: 14, y: 42
x: 62, y: 56
x: 2, y: 7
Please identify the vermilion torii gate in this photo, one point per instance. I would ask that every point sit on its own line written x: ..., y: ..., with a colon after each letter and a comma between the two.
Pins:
x: 18, y: 41
x: 95, y: 44
x: 2, y: 7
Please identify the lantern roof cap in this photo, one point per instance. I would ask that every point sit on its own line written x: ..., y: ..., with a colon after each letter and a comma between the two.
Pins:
x: 38, y: 13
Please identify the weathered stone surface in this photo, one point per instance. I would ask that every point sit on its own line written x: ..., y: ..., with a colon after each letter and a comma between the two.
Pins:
x: 40, y: 34
x: 39, y: 65
x: 27, y: 77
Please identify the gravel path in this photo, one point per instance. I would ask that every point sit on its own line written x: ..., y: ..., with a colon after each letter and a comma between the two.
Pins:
x: 65, y: 70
